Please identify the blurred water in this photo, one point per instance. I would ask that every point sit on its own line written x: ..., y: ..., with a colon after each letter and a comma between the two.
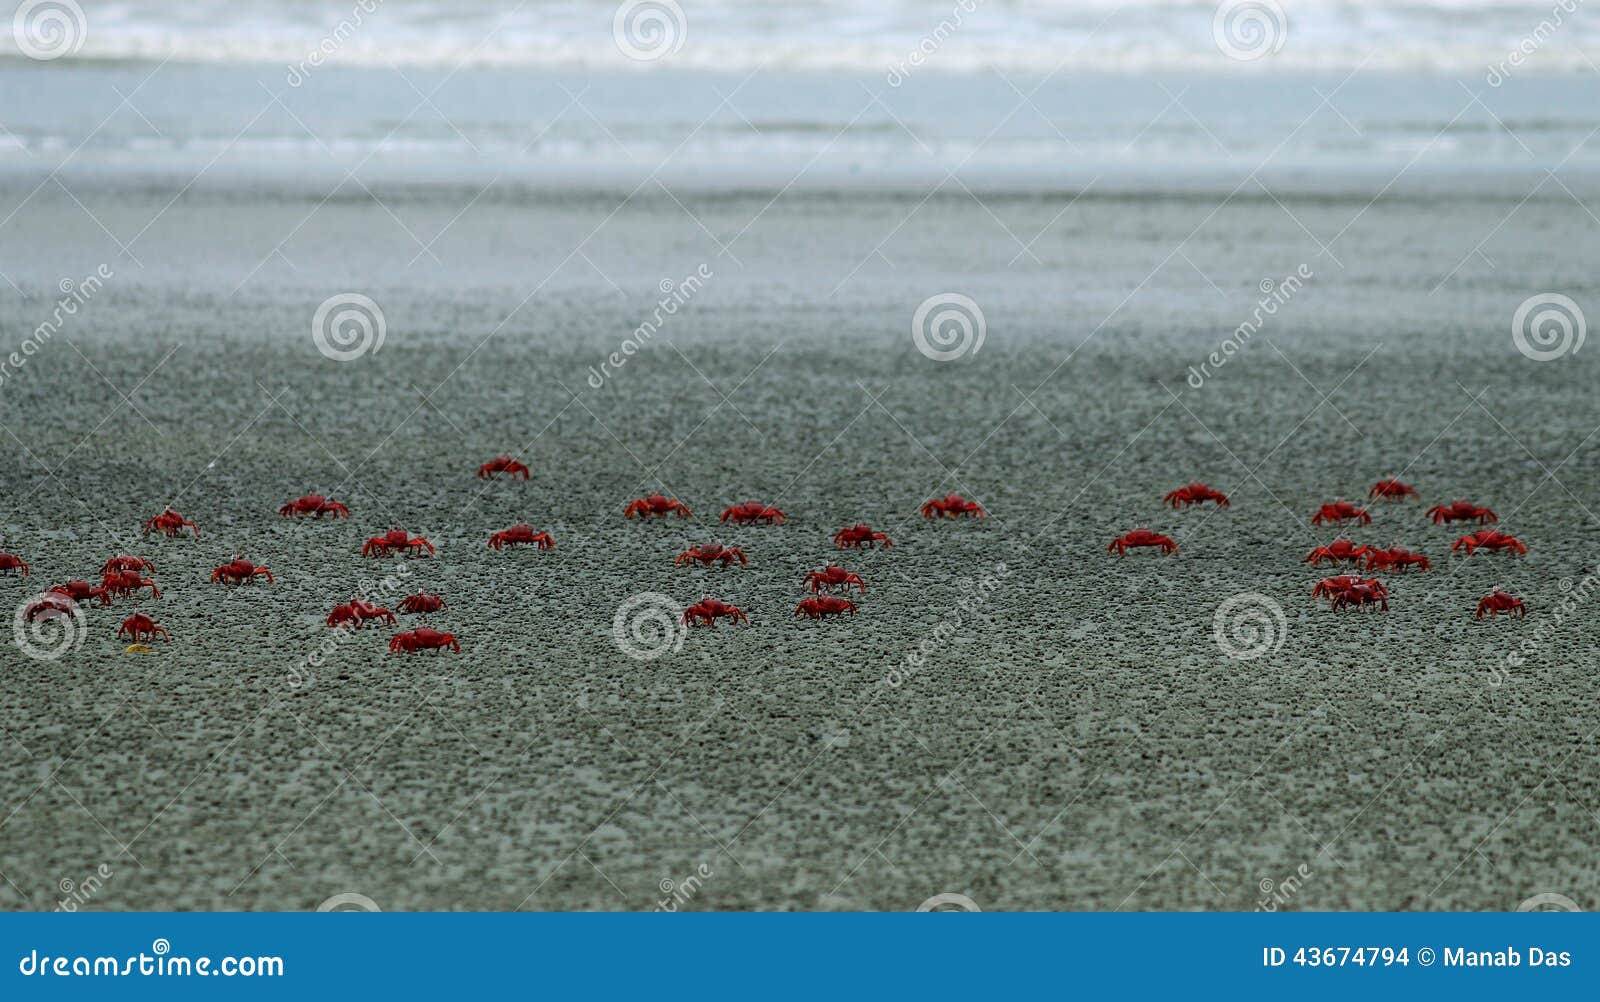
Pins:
x: 772, y: 126
x: 726, y: 35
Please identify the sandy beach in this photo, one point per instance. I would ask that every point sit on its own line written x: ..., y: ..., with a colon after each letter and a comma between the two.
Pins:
x: 1013, y: 714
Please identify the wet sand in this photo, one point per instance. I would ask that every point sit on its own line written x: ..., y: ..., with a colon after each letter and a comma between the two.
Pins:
x: 1078, y: 741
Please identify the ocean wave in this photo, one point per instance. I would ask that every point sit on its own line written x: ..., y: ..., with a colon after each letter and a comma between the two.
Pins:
x: 816, y: 35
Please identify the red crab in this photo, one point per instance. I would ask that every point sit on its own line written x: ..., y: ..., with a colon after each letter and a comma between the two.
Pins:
x: 1331, y: 587
x: 1339, y: 549
x: 421, y: 602
x: 127, y: 564
x: 316, y: 505
x: 1390, y: 489
x: 751, y: 512
x: 358, y: 612
x: 125, y: 583
x: 502, y: 464
x: 171, y: 523
x: 82, y: 591
x: 859, y: 535
x: 1461, y: 511
x: 656, y: 504
x: 953, y: 505
x: 1341, y: 511
x: 240, y: 571
x: 706, y: 611
x: 1499, y: 601
x: 710, y: 553
x: 1368, y: 595
x: 1141, y: 537
x: 395, y: 540
x: 1190, y: 494
x: 10, y: 562
x: 834, y: 576
x: 139, y: 626
x: 50, y: 605
x: 1396, y: 558
x: 1488, y: 539
x: 423, y: 639
x: 520, y: 535
x: 824, y: 605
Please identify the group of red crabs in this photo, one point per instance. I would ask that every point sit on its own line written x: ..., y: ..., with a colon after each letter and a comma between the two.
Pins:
x: 1352, y: 591
x: 821, y: 602
x: 125, y: 576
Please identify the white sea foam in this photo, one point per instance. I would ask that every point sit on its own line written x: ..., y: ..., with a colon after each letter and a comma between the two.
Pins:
x: 734, y: 35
